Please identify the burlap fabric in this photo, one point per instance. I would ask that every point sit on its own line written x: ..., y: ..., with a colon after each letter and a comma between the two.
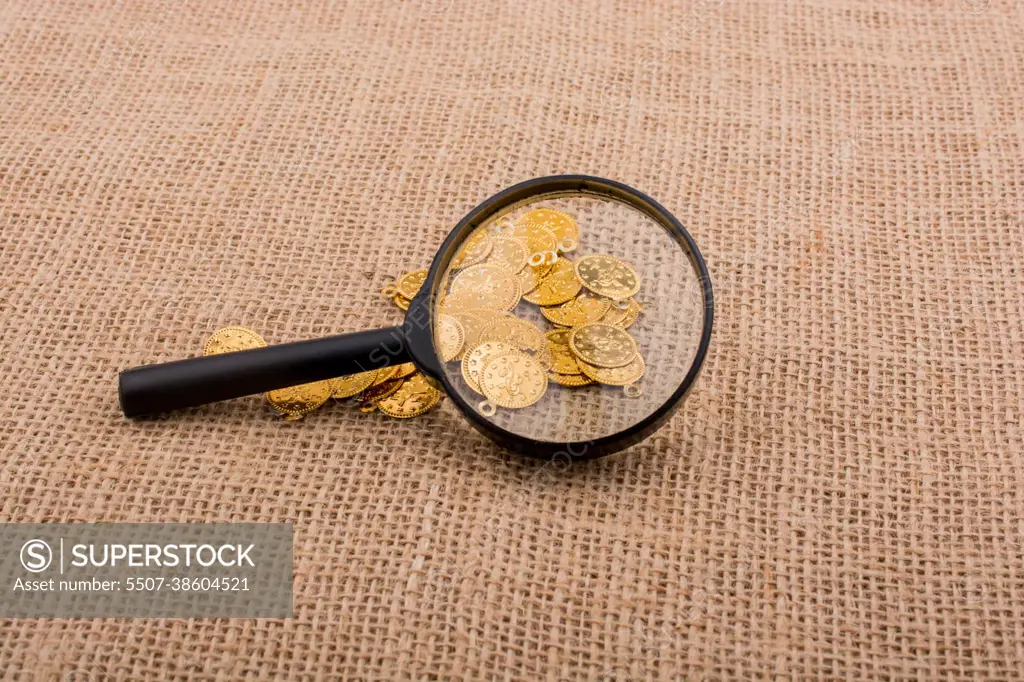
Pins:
x: 841, y: 496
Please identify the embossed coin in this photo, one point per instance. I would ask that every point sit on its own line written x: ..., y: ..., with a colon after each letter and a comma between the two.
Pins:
x: 531, y: 276
x: 583, y: 309
x: 622, y: 316
x: 564, y: 363
x: 231, y: 340
x: 450, y: 337
x: 513, y: 380
x: 476, y: 248
x: 538, y: 237
x: 520, y: 334
x: 561, y: 224
x: 478, y: 276
x: 473, y: 321
x: 298, y: 400
x: 409, y: 284
x: 373, y: 395
x: 514, y: 331
x: 607, y: 276
x: 632, y: 314
x: 499, y: 292
x: 385, y: 374
x: 615, y: 376
x: 559, y: 337
x: 348, y: 386
x: 508, y: 253
x: 402, y: 302
x: 557, y: 287
x: 406, y: 369
x: 573, y: 380
x: 602, y: 345
x: 413, y: 398
x: 473, y: 361
x: 562, y: 359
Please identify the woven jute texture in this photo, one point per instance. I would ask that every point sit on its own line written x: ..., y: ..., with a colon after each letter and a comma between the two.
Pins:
x: 840, y: 497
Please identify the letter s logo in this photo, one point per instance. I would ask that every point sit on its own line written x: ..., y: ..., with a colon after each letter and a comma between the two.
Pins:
x: 36, y: 556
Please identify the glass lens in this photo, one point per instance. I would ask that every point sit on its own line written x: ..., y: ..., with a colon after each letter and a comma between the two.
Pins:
x: 568, y: 317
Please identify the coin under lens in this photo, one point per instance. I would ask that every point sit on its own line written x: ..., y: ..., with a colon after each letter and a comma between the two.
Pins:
x: 504, y: 351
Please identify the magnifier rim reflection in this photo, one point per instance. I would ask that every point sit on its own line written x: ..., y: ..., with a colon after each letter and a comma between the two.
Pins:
x: 419, y: 322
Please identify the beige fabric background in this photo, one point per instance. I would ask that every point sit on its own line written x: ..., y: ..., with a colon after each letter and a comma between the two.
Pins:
x: 840, y: 498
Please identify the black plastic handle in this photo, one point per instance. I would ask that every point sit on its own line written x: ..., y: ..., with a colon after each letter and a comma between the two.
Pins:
x: 187, y: 383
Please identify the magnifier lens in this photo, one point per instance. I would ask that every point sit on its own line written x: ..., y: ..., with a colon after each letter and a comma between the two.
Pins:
x: 568, y: 317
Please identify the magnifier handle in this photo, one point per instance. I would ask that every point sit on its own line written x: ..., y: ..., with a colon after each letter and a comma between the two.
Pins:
x: 186, y: 383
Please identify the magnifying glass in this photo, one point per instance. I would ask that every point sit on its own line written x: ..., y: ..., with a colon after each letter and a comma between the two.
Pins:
x: 565, y: 316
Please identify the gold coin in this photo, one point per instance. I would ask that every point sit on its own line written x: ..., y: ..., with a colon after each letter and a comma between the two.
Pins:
x: 622, y: 316
x: 473, y: 360
x: 570, y: 379
x: 451, y: 336
x: 498, y: 293
x: 478, y: 276
x: 557, y: 287
x: 473, y: 321
x: 531, y: 276
x: 473, y: 250
x: 520, y: 334
x: 559, y: 337
x: 348, y: 386
x: 402, y: 302
x: 607, y: 276
x: 299, y: 400
x: 615, y: 314
x: 561, y: 224
x: 406, y: 369
x: 513, y: 380
x: 562, y: 361
x: 508, y: 253
x: 538, y: 238
x: 583, y: 309
x: 514, y: 331
x: 632, y: 313
x: 377, y: 392
x: 543, y: 355
x: 528, y: 279
x: 602, y: 345
x: 232, y: 340
x: 615, y: 376
x: 412, y: 399
x: 408, y: 285
x: 385, y: 374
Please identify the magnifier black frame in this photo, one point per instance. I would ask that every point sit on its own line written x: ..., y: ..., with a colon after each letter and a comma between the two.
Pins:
x: 419, y: 329
x: 153, y: 389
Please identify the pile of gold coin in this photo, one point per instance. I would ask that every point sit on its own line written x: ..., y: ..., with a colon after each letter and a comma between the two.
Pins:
x: 588, y: 304
x: 398, y: 391
x: 505, y: 357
